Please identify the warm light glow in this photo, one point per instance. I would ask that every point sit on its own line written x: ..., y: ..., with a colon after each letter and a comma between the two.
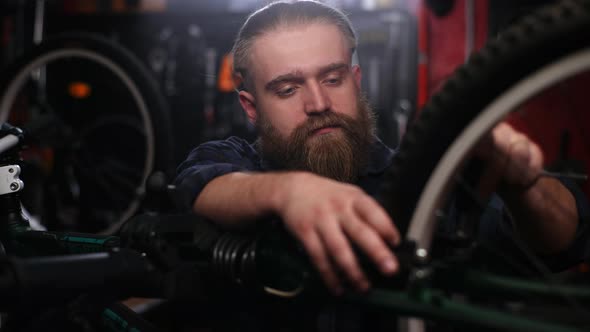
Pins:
x: 153, y: 5
x: 225, y: 81
x: 79, y: 90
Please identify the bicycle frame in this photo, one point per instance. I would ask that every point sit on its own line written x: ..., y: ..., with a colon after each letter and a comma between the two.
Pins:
x: 58, y: 266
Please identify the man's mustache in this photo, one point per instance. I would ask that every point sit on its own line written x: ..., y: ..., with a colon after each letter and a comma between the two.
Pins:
x: 317, y: 122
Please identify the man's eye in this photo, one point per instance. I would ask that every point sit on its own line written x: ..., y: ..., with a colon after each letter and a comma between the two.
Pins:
x: 333, y: 80
x: 287, y: 91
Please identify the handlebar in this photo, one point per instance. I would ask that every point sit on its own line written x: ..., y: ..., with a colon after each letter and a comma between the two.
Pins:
x: 55, y: 279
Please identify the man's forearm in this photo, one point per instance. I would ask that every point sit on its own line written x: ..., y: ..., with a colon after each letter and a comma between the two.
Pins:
x: 545, y: 215
x: 238, y: 199
x: 324, y: 215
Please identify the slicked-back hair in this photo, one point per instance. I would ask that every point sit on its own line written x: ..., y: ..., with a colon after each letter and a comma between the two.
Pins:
x: 279, y: 15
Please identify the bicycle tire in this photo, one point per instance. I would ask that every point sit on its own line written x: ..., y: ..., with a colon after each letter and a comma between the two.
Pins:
x: 144, y: 91
x: 537, y: 41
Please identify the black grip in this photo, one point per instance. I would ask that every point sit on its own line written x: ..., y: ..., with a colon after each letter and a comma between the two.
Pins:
x: 118, y: 274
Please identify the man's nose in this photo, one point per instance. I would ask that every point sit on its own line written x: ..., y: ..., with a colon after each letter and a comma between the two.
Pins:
x: 317, y: 99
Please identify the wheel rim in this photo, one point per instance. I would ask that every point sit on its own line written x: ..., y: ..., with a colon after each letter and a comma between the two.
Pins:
x: 17, y: 83
x: 424, y: 219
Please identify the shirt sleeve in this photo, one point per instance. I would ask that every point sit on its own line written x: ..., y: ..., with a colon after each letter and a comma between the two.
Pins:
x: 211, y: 160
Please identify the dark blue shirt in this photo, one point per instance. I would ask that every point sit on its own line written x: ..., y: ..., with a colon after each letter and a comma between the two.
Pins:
x: 216, y: 158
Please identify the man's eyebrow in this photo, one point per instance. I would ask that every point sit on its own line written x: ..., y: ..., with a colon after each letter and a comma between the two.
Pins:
x: 338, y: 66
x: 295, y: 77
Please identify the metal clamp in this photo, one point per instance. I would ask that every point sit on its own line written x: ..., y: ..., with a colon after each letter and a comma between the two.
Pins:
x: 9, y: 180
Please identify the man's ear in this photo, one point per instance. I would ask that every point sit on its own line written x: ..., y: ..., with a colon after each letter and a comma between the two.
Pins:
x: 248, y: 103
x: 357, y: 75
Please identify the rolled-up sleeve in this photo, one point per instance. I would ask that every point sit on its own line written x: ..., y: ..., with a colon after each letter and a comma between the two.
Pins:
x: 211, y: 160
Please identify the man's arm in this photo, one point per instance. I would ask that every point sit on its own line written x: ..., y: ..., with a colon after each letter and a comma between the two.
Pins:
x: 324, y: 215
x: 544, y: 210
x: 236, y: 200
x: 545, y: 215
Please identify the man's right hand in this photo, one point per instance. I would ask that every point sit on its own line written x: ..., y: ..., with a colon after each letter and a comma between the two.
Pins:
x: 327, y: 216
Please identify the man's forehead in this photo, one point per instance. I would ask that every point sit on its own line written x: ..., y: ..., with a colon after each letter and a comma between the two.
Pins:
x: 301, y: 49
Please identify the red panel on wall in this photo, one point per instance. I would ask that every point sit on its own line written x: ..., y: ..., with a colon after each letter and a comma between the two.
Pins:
x: 449, y: 43
x: 444, y: 42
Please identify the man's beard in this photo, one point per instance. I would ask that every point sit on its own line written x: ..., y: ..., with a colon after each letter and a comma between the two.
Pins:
x: 340, y: 154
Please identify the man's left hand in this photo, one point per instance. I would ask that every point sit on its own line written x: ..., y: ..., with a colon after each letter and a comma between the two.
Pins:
x: 514, y: 161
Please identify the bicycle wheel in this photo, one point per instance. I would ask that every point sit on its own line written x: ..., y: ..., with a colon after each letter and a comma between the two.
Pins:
x: 538, y: 52
x: 104, y: 139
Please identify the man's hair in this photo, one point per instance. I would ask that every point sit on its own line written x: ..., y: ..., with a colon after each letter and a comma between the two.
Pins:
x: 278, y: 15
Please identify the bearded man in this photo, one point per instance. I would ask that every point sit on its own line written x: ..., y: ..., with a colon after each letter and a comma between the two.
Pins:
x: 317, y: 163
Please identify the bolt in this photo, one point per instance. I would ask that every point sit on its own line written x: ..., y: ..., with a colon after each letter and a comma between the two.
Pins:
x: 11, y: 170
x: 421, y: 274
x: 422, y: 253
x: 14, y: 186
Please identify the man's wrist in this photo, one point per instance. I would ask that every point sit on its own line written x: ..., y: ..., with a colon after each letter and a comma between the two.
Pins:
x: 518, y: 188
x: 282, y: 186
